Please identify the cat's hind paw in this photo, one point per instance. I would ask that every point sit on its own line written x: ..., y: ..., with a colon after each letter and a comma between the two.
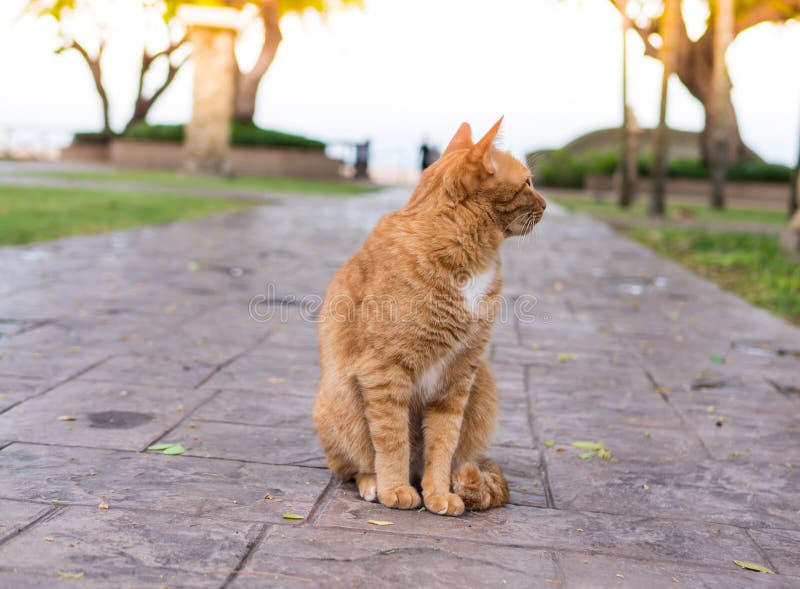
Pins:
x: 481, y: 486
x: 400, y: 497
x: 367, y: 486
x: 444, y: 504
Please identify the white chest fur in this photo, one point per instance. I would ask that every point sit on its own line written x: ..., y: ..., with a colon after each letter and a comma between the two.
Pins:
x: 476, y: 289
x: 430, y: 383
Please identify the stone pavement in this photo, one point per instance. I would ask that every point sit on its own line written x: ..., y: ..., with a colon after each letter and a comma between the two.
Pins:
x: 146, y: 336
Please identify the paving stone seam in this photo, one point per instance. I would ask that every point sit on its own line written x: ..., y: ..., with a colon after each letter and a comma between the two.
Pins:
x: 687, y: 426
x: 213, y: 394
x: 542, y: 468
x: 298, y: 464
x: 251, y: 547
x: 322, y: 501
x: 49, y: 388
x: 764, y: 556
x: 46, y: 516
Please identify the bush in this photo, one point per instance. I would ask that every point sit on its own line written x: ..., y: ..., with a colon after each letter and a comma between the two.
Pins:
x: 759, y: 172
x: 240, y: 135
x: 560, y: 168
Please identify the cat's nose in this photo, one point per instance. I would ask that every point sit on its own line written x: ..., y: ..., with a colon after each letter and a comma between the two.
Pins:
x: 540, y: 200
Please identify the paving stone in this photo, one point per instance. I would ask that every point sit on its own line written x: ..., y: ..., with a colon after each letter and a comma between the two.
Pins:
x: 36, y: 365
x: 270, y: 445
x: 271, y: 406
x: 254, y: 371
x: 175, y: 484
x: 119, y: 545
x: 300, y: 556
x: 106, y: 415
x: 157, y: 371
x: 15, y: 515
x: 637, y: 537
x: 733, y: 492
x: 602, y: 571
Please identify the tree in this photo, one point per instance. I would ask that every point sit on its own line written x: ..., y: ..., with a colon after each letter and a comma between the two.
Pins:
x: 168, y: 45
x: 670, y: 32
x: 270, y: 13
x: 794, y: 189
x: 694, y: 60
x: 165, y: 44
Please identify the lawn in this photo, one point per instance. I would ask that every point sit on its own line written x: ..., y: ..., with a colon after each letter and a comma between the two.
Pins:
x: 754, y: 266
x: 29, y: 214
x: 252, y: 183
x: 607, y: 209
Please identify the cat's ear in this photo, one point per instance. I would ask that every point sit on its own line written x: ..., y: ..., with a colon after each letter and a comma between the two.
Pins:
x: 461, y: 140
x: 483, y: 149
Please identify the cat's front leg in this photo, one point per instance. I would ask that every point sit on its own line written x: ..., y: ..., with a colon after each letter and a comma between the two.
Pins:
x: 387, y: 401
x: 442, y: 426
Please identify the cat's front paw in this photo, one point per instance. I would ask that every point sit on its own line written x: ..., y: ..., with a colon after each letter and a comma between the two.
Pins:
x: 444, y: 504
x: 400, y: 497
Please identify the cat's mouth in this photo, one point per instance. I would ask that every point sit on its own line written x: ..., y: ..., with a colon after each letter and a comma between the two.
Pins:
x: 524, y: 225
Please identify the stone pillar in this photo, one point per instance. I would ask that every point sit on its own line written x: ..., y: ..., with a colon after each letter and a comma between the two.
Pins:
x: 212, y: 34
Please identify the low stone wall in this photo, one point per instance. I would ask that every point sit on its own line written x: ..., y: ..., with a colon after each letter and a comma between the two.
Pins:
x: 87, y: 152
x: 246, y: 161
x: 771, y: 195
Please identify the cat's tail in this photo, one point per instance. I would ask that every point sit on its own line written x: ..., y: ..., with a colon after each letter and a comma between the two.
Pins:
x: 480, y: 484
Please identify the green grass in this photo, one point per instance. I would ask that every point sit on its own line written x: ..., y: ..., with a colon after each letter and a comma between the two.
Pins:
x: 252, y: 183
x: 607, y: 209
x: 754, y: 266
x: 29, y: 214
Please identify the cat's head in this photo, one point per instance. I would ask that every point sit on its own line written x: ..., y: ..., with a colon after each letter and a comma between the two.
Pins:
x: 485, y: 178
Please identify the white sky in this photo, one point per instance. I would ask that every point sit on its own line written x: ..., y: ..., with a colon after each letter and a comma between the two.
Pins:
x: 402, y: 70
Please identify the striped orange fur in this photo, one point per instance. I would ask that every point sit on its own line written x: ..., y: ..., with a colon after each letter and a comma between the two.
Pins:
x: 406, y: 396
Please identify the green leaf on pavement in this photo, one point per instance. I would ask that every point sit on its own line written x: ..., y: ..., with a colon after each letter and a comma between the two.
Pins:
x: 586, y: 455
x: 587, y: 445
x: 174, y: 449
x: 292, y: 516
x: 156, y: 447
x: 717, y: 359
x: 549, y: 443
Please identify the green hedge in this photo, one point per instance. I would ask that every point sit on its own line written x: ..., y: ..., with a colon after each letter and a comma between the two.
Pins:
x: 240, y: 135
x: 563, y: 169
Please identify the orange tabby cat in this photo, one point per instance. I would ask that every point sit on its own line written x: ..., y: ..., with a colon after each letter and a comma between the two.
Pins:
x: 405, y: 387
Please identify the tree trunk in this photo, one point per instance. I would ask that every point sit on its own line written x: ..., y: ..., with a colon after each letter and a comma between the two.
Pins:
x: 247, y: 82
x: 626, y: 180
x: 97, y: 76
x: 794, y: 189
x: 722, y: 115
x: 669, y: 36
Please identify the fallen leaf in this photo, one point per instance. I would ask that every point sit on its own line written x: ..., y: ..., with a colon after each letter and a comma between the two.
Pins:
x: 604, y: 454
x: 66, y: 418
x: 49, y: 539
x: 103, y: 505
x: 292, y: 516
x: 647, y: 435
x: 587, y: 445
x: 388, y: 552
x: 646, y: 487
x: 717, y: 359
x: 156, y: 447
x: 586, y: 455
x: 378, y: 522
x: 59, y: 502
x: 63, y: 575
x: 561, y: 358
x: 275, y: 380
x: 751, y: 566
x: 269, y: 496
x: 192, y: 266
x: 549, y: 443
x: 174, y: 450
x: 421, y: 509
